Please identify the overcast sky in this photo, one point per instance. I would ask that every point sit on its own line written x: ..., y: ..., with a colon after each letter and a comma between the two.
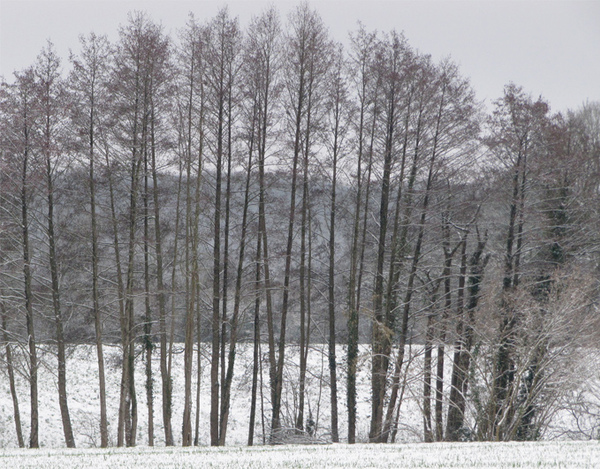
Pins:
x: 551, y: 48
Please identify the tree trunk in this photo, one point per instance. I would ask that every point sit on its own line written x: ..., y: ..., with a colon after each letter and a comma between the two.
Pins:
x: 353, y: 324
x: 303, y: 277
x: 465, y: 333
x: 456, y: 400
x: 380, y: 332
x: 128, y: 380
x: 121, y: 297
x: 331, y: 280
x: 148, y: 312
x: 11, y: 376
x: 162, y: 314
x: 439, y: 382
x: 427, y: 427
x: 256, y: 342
x: 277, y: 378
x: 95, y: 277
x: 33, y: 361
x: 226, y: 394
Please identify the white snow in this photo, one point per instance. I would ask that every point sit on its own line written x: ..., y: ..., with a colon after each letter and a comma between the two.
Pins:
x: 579, y: 455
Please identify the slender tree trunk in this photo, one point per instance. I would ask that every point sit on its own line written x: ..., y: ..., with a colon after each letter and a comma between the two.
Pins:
x: 456, y: 400
x: 427, y: 427
x: 331, y: 281
x: 397, y: 258
x: 216, y: 293
x: 441, y: 350
x: 191, y: 240
x: 198, y: 366
x: 33, y: 361
x: 47, y: 101
x: 167, y: 355
x: 95, y: 276
x: 60, y: 340
x: 226, y: 394
x: 352, y: 354
x: 121, y: 300
x: 303, y: 295
x: 353, y: 328
x: 380, y: 333
x: 188, y: 353
x: 192, y: 280
x: 277, y: 383
x: 148, y: 312
x: 224, y: 366
x: 129, y: 333
x: 256, y: 341
x: 11, y: 376
x: 129, y: 346
x: 162, y: 314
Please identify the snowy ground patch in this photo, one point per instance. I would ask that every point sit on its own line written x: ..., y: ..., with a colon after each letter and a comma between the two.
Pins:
x: 579, y: 455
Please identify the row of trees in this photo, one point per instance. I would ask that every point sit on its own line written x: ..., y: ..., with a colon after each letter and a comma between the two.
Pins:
x: 268, y: 185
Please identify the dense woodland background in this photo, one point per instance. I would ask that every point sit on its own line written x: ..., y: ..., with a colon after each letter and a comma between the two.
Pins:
x: 270, y: 186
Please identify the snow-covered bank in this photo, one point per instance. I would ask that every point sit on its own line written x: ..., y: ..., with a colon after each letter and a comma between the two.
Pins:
x: 84, y: 399
x: 580, y: 455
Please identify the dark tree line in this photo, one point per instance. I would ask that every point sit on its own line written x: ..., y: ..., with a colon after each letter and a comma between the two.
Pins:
x: 266, y: 185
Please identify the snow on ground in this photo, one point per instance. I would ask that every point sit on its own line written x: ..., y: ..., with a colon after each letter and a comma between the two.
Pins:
x: 84, y: 400
x: 580, y: 455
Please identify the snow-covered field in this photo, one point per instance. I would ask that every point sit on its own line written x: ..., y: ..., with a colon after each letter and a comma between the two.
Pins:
x: 579, y: 455
x: 84, y: 410
x: 84, y: 398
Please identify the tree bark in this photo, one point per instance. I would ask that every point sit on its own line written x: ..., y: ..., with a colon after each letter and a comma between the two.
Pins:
x: 11, y: 376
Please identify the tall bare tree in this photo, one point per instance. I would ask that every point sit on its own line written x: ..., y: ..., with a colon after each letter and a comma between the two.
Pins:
x: 27, y: 120
x: 142, y: 54
x: 516, y: 129
x: 338, y: 128
x: 18, y: 124
x: 361, y: 56
x: 52, y: 95
x: 190, y: 113
x: 88, y: 84
x: 391, y: 64
x: 263, y: 59
x: 306, y: 44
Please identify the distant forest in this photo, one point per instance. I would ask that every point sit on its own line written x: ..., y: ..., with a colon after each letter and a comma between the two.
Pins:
x: 270, y: 186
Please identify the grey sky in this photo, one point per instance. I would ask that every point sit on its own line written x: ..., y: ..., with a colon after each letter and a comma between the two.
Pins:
x: 549, y: 47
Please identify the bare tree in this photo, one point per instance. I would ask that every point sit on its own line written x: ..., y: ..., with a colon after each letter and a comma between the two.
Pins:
x: 339, y: 113
x: 9, y: 233
x: 141, y: 57
x: 515, y: 133
x: 26, y: 120
x: 190, y: 118
x: 88, y: 83
x: 306, y: 44
x: 465, y: 335
x: 363, y: 44
x: 263, y: 59
x: 392, y: 58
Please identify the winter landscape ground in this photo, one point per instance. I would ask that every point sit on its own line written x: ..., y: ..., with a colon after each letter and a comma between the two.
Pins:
x: 439, y: 455
x: 408, y: 453
x: 84, y: 399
